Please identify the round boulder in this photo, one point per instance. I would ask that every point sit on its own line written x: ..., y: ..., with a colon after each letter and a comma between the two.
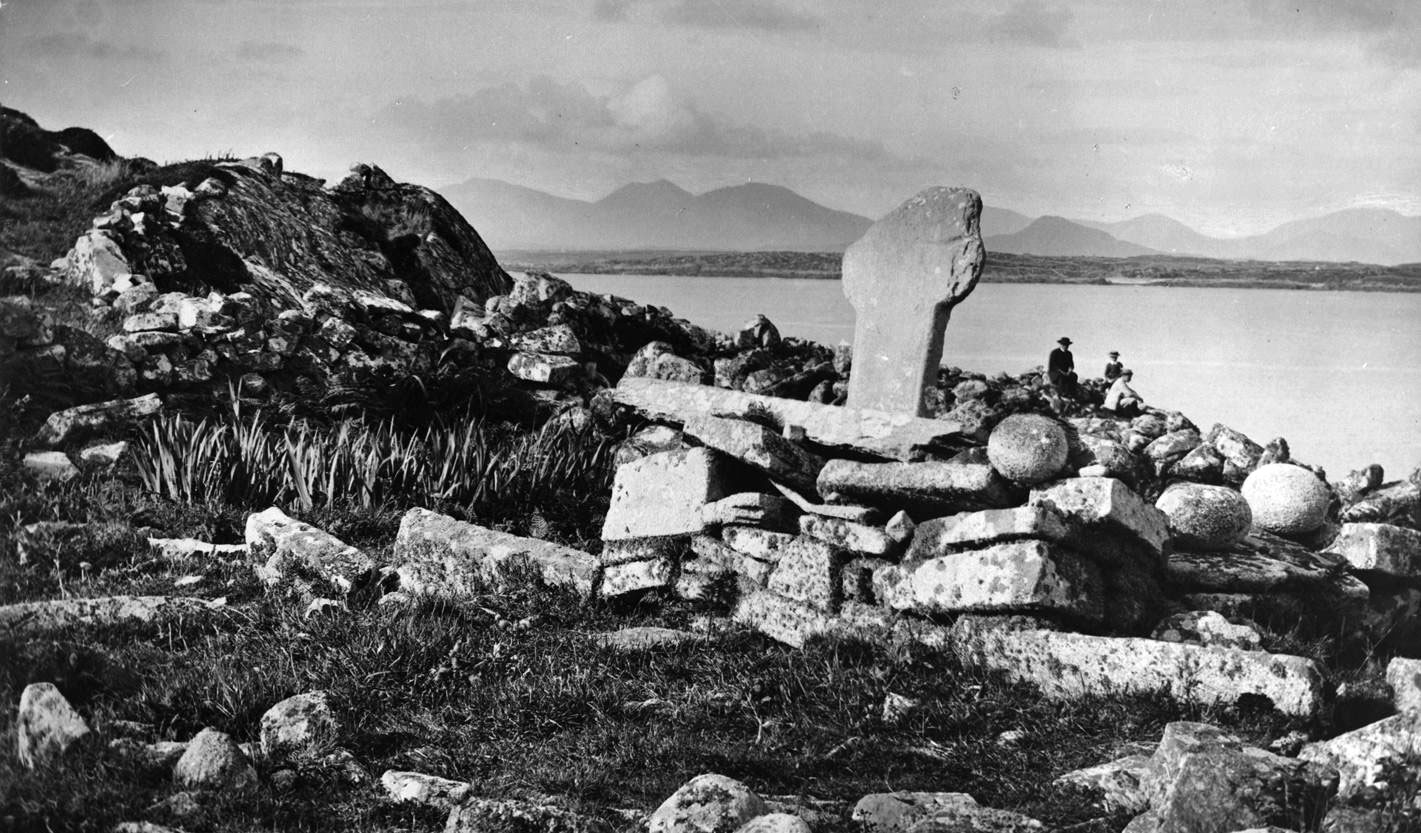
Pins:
x: 707, y: 804
x: 1028, y: 448
x: 1286, y: 499
x: 1203, y: 517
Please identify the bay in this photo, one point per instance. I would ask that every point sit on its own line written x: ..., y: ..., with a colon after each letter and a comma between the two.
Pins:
x: 1336, y: 373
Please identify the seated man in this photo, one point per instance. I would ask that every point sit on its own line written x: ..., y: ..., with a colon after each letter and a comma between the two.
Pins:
x: 1061, y: 369
x: 1121, y: 399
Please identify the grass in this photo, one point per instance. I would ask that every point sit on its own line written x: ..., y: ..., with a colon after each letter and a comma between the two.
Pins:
x: 508, y: 692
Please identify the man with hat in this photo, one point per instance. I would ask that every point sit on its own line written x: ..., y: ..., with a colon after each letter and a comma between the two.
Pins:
x: 1061, y: 368
x: 1113, y: 368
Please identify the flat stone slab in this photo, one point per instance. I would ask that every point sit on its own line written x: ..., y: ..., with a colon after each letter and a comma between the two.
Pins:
x: 1106, y: 503
x: 841, y: 511
x: 1364, y: 755
x: 971, y: 530
x: 108, y: 610
x: 1027, y: 576
x: 291, y: 547
x: 757, y: 446
x: 762, y: 544
x: 181, y: 549
x: 855, y: 537
x: 443, y: 556
x: 663, y: 494
x: 1381, y: 548
x: 794, y: 623
x: 99, y: 416
x: 1260, y: 562
x: 429, y: 790
x: 636, y: 576
x: 893, y: 435
x: 1069, y: 665
x: 646, y: 638
x: 934, y: 488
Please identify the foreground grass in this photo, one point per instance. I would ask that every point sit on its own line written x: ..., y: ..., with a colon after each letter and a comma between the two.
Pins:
x: 510, y: 693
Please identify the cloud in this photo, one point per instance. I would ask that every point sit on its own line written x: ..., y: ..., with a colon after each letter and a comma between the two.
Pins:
x: 1032, y: 23
x: 650, y: 116
x: 268, y: 51
x: 755, y: 15
x: 76, y: 45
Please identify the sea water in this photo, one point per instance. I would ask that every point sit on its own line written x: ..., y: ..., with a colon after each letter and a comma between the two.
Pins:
x: 1336, y: 373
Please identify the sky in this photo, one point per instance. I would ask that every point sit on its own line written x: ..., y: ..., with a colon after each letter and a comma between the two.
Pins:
x: 1232, y: 116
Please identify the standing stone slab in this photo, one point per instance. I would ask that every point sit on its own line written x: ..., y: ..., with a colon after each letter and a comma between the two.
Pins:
x: 758, y: 446
x: 446, y: 557
x: 898, y: 436
x: 903, y: 278
x: 1016, y: 576
x: 1382, y: 548
x: 663, y: 494
x: 935, y: 488
x: 1068, y: 665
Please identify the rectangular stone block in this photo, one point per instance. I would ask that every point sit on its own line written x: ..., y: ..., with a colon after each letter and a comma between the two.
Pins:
x: 1103, y: 502
x: 896, y: 436
x: 1016, y: 576
x: 1382, y: 548
x: 544, y: 368
x: 662, y: 494
x: 635, y: 576
x: 763, y: 544
x: 970, y: 530
x: 444, y: 556
x: 794, y: 623
x: 1069, y: 665
x: 931, y: 489
x: 893, y: 587
x: 855, y: 537
x: 808, y: 572
x: 757, y: 446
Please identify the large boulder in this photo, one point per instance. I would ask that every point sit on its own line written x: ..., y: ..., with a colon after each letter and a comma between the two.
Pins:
x: 1286, y: 499
x: 1028, y: 448
x: 1205, y: 517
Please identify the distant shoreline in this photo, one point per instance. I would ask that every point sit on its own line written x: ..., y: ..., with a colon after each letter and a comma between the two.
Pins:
x: 1152, y: 270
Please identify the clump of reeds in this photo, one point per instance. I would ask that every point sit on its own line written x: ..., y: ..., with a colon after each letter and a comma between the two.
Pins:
x: 245, y: 459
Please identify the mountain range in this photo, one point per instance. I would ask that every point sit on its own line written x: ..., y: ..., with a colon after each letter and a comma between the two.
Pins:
x: 760, y: 217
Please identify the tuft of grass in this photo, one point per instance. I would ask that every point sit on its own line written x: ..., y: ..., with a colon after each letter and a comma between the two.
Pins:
x: 464, y: 465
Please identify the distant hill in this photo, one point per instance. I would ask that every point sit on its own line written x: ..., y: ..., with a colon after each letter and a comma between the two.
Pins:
x: 655, y: 215
x: 1363, y: 235
x: 1059, y: 236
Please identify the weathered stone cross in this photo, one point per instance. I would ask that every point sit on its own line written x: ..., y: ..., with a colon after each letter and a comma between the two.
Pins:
x: 903, y: 277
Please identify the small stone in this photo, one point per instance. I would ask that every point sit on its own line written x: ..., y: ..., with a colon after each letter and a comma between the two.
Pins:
x: 897, y: 708
x: 1205, y: 517
x: 646, y: 638
x: 213, y: 761
x: 103, y: 455
x: 301, y: 727
x: 429, y: 790
x: 481, y: 815
x: 774, y: 823
x: 636, y: 576
x: 1028, y: 449
x: 1205, y: 627
x: 46, y: 725
x: 657, y: 360
x: 707, y: 804
x: 544, y: 368
x: 1404, y: 677
x: 897, y: 811
x: 559, y: 339
x: 900, y: 527
x: 1286, y: 499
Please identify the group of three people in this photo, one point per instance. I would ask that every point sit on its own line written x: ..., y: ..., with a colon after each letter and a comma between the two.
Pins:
x: 1121, y: 399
